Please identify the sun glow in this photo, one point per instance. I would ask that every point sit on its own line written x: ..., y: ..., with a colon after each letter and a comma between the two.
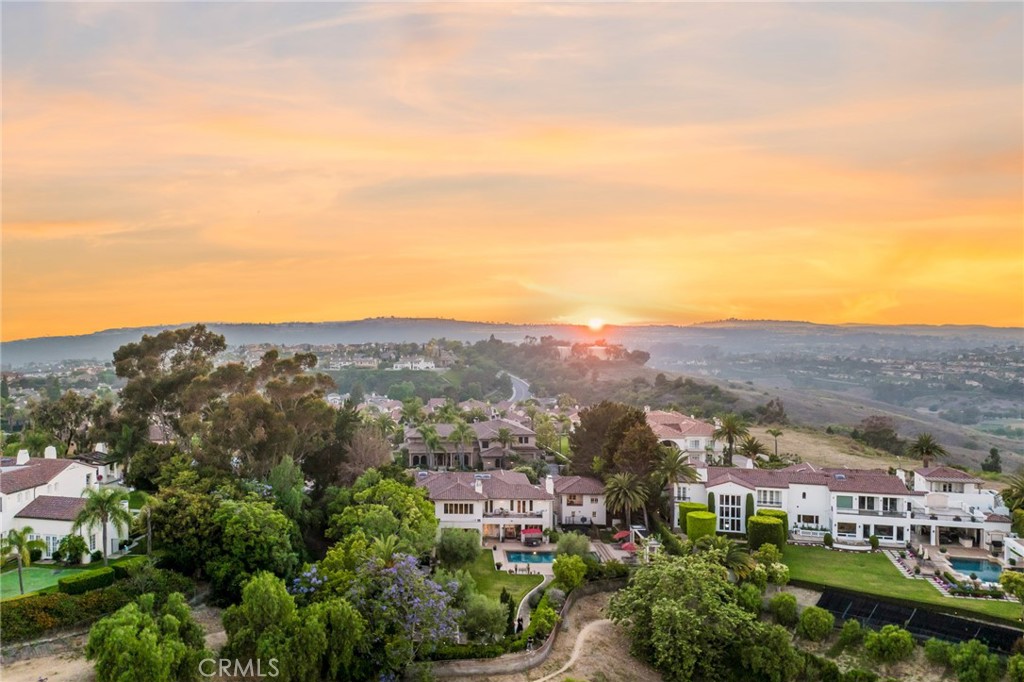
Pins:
x: 596, y: 324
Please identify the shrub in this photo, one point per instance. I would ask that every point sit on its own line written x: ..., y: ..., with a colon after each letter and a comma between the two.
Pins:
x: 858, y: 675
x: 937, y: 652
x: 851, y: 634
x: 56, y: 556
x: 72, y: 547
x: 687, y: 507
x: 556, y: 598
x: 542, y: 621
x: 711, y: 502
x: 828, y: 540
x: 35, y: 555
x: 123, y: 569
x: 458, y: 547
x: 570, y: 571
x: 534, y: 599
x: 748, y: 595
x: 873, y: 540
x: 816, y: 624
x: 779, y: 514
x: 483, y: 619
x: 700, y: 524
x: 762, y: 529
x: 890, y: 644
x: 973, y: 663
x: 783, y: 607
x: 96, y: 557
x: 1015, y: 668
x: 86, y: 581
x: 573, y: 543
x: 446, y: 652
x: 749, y: 506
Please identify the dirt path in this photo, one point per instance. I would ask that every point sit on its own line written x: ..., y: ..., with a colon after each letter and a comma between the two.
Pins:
x: 580, y: 640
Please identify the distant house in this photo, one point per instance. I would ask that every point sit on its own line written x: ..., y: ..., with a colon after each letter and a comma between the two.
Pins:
x: 108, y: 469
x: 485, y: 450
x: 498, y: 504
x: 686, y: 433
x: 580, y: 500
x: 416, y: 363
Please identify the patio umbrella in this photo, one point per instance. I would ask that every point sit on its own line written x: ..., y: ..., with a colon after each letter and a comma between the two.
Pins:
x: 532, y: 531
x: 629, y: 546
x: 620, y: 535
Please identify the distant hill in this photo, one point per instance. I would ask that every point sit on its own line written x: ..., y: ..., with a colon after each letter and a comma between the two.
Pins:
x: 662, y: 340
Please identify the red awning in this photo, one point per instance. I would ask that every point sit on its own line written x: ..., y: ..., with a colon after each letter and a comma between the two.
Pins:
x: 621, y: 534
x: 629, y: 547
x: 532, y: 531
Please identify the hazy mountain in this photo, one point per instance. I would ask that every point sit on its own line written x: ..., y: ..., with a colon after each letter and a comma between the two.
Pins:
x: 664, y: 341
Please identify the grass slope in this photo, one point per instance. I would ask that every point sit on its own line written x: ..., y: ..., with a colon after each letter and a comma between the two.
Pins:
x: 490, y: 582
x: 874, y: 574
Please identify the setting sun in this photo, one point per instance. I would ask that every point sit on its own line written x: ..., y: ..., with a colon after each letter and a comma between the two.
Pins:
x: 596, y: 324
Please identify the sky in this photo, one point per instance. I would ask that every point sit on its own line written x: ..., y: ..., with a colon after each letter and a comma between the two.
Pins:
x: 637, y: 163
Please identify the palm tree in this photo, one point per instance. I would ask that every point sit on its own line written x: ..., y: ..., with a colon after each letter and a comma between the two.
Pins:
x: 18, y: 544
x: 675, y: 468
x: 564, y: 424
x: 462, y: 434
x: 431, y: 439
x: 752, y: 447
x: 926, y: 447
x: 625, y: 492
x: 730, y: 555
x: 731, y: 428
x: 104, y: 507
x: 149, y: 504
x: 1013, y: 496
x: 385, y: 549
x: 412, y: 411
x: 775, y: 433
x: 505, y: 438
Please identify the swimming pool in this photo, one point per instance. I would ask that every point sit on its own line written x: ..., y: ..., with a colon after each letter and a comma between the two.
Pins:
x: 987, y: 571
x: 531, y: 557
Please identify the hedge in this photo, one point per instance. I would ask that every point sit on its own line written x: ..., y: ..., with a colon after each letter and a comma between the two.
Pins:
x: 711, y: 502
x: 687, y: 507
x: 777, y: 514
x: 749, y: 506
x: 699, y: 524
x: 126, y: 567
x: 672, y: 544
x: 86, y: 581
x: 762, y: 529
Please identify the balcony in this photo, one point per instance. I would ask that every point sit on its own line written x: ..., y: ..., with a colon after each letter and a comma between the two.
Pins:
x: 505, y: 514
x: 874, y: 512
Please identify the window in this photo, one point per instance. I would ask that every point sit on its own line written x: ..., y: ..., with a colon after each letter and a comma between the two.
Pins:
x: 846, y: 529
x: 92, y: 542
x: 593, y: 500
x: 574, y: 501
x: 804, y: 495
x: 730, y: 514
x: 695, y: 444
x: 484, y: 444
x: 769, y: 498
x: 885, y: 532
x: 523, y: 440
x: 890, y: 504
x: 88, y: 479
x: 593, y: 513
x: 946, y: 487
x: 844, y: 502
x: 458, y: 508
x: 807, y: 520
x: 866, y: 503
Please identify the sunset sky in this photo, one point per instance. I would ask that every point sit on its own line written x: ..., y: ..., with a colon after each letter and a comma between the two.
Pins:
x: 171, y: 162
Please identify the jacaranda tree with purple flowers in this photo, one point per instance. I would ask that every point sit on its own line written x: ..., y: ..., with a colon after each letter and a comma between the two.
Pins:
x: 406, y: 613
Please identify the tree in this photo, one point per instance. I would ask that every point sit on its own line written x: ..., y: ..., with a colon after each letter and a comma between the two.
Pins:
x: 184, y: 527
x: 816, y: 624
x: 105, y: 507
x: 587, y: 440
x: 72, y: 548
x: 484, y: 619
x: 775, y: 433
x: 412, y: 411
x: 731, y: 428
x: 367, y: 450
x: 457, y: 547
x: 879, y: 432
x: 145, y: 517
x: 674, y: 468
x: 638, y: 452
x: 254, y: 536
x: 145, y: 464
x: 288, y: 486
x: 1013, y: 495
x: 972, y: 662
x: 140, y: 643
x: 726, y: 552
x: 1013, y: 583
x: 569, y: 570
x: 993, y: 463
x: 769, y: 656
x: 625, y: 492
x: 752, y: 447
x: 65, y: 419
x: 505, y: 437
x: 431, y: 439
x: 462, y: 435
x: 890, y: 644
x: 381, y: 507
x: 783, y: 607
x: 572, y: 543
x: 926, y: 448
x: 17, y: 544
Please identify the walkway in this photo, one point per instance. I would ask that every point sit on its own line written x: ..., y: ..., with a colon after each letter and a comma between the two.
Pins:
x: 577, y: 647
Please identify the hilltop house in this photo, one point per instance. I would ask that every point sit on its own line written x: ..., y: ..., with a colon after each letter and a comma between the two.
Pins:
x: 45, y: 493
x: 854, y: 504
x: 485, y: 450
x: 686, y: 433
x: 498, y: 504
x: 580, y: 500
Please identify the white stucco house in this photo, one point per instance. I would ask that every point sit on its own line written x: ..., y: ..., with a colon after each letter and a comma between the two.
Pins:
x: 687, y: 433
x: 498, y: 504
x: 854, y: 504
x: 45, y: 494
x: 580, y: 500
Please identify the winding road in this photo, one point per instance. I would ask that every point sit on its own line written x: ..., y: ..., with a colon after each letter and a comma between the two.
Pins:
x: 520, y: 389
x: 577, y: 647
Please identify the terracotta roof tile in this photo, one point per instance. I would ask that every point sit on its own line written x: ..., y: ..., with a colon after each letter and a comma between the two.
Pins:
x: 39, y: 471
x: 52, y: 507
x: 578, y: 485
x: 942, y: 473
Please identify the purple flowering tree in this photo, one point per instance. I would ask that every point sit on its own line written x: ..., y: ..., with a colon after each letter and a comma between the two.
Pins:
x: 407, y: 614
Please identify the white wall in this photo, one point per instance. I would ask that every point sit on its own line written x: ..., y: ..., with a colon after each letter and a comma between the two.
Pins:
x: 59, y: 529
x: 68, y: 483
x: 593, y: 509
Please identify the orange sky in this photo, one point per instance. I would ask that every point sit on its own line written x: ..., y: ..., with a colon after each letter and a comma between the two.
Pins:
x: 266, y: 162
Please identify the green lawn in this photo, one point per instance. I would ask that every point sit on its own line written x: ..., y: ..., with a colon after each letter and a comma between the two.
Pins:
x: 489, y: 582
x: 873, y: 573
x: 36, y: 578
x: 135, y: 499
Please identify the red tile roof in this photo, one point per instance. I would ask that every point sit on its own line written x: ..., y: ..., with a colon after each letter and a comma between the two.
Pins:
x: 942, y: 473
x: 39, y: 471
x: 837, y: 480
x: 497, y: 485
x: 578, y: 485
x: 53, y: 508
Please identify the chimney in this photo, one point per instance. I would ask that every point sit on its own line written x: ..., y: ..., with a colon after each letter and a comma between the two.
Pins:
x: 549, y: 484
x: 22, y: 457
x: 647, y: 409
x: 101, y: 447
x: 50, y: 452
x: 478, y: 486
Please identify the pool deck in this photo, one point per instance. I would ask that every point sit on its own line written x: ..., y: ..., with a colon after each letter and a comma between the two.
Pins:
x: 941, y: 559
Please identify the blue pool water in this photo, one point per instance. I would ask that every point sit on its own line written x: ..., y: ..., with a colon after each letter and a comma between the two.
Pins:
x: 986, y: 571
x: 531, y: 557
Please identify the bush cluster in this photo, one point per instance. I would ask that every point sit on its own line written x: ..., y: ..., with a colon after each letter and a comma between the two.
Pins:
x: 890, y: 644
x: 86, y: 581
x: 700, y: 524
x: 783, y: 607
x: 765, y: 529
x: 816, y: 624
x: 687, y: 507
x: 126, y: 567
